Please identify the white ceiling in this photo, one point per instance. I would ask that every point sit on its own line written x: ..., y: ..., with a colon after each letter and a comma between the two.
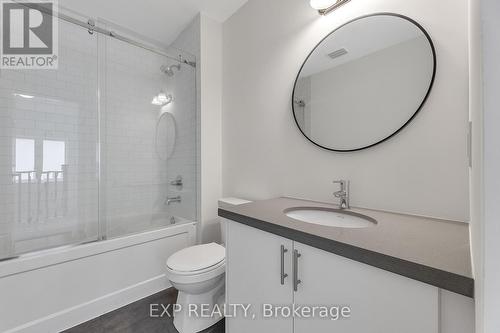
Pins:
x: 159, y: 20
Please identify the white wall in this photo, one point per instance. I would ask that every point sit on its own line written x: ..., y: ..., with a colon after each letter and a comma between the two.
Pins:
x: 490, y: 276
x: 211, y: 126
x: 476, y: 175
x: 423, y: 170
x: 203, y: 38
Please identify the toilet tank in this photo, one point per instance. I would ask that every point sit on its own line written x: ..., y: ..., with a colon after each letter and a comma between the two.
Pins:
x: 227, y: 203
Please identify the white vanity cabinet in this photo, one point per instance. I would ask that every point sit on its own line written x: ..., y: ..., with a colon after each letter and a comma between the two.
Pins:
x: 379, y: 301
x: 253, y: 276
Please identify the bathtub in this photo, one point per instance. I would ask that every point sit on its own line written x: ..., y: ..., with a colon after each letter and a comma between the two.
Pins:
x: 49, y: 291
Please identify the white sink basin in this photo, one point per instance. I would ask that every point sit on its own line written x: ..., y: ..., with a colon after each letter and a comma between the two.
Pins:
x: 330, y: 217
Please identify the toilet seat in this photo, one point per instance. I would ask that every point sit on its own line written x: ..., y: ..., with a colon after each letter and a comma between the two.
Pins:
x: 196, y: 258
x: 197, y: 276
x: 197, y: 263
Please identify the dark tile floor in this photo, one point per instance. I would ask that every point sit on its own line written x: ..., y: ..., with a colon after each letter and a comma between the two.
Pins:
x: 134, y: 318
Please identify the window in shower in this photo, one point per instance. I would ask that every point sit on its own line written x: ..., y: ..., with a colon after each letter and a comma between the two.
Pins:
x: 48, y: 149
x: 54, y: 159
x: 25, y: 159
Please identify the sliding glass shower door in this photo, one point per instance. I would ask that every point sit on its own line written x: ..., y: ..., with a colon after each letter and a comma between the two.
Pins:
x: 104, y: 146
x: 48, y: 149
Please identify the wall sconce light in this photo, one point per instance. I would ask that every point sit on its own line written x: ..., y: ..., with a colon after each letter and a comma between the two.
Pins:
x: 162, y: 99
x: 326, y: 6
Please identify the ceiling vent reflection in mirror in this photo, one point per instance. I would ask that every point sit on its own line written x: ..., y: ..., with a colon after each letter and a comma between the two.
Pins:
x: 326, y: 6
x: 337, y: 53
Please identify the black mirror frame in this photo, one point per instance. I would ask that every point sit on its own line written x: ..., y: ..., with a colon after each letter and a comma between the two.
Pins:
x: 414, y: 114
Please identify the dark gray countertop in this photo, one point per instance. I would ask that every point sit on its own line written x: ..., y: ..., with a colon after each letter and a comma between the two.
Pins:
x: 430, y: 250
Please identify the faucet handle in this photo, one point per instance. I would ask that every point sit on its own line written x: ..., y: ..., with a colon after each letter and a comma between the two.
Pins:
x: 343, y: 194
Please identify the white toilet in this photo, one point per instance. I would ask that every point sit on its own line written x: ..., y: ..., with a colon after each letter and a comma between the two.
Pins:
x: 198, y: 273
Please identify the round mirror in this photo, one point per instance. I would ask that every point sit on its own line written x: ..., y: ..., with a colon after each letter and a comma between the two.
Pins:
x: 364, y: 82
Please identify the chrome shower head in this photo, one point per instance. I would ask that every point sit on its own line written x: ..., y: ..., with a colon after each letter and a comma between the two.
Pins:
x: 169, y: 70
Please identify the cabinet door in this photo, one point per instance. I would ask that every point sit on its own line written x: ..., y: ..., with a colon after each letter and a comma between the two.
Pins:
x: 253, y: 276
x: 380, y: 301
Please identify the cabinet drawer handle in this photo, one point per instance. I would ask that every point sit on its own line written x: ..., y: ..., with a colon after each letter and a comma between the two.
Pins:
x: 283, y: 275
x: 296, y: 281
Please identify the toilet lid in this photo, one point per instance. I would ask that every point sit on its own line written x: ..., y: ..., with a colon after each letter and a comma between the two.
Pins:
x: 197, y: 257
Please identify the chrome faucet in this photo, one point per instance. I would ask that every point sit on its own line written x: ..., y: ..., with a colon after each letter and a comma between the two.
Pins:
x: 343, y: 194
x: 173, y: 199
x: 177, y: 182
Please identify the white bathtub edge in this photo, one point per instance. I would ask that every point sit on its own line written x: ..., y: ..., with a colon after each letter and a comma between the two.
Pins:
x: 56, y: 256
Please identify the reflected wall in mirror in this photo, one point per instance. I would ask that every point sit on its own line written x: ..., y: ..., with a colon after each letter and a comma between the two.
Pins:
x: 364, y: 82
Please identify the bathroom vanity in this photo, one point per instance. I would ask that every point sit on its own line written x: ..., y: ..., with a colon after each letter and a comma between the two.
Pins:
x: 395, y: 275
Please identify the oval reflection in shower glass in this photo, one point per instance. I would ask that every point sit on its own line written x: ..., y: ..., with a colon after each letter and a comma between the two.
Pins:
x: 166, y: 133
x: 364, y: 82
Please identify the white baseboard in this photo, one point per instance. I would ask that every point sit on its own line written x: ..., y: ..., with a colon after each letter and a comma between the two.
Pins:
x: 86, y: 311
